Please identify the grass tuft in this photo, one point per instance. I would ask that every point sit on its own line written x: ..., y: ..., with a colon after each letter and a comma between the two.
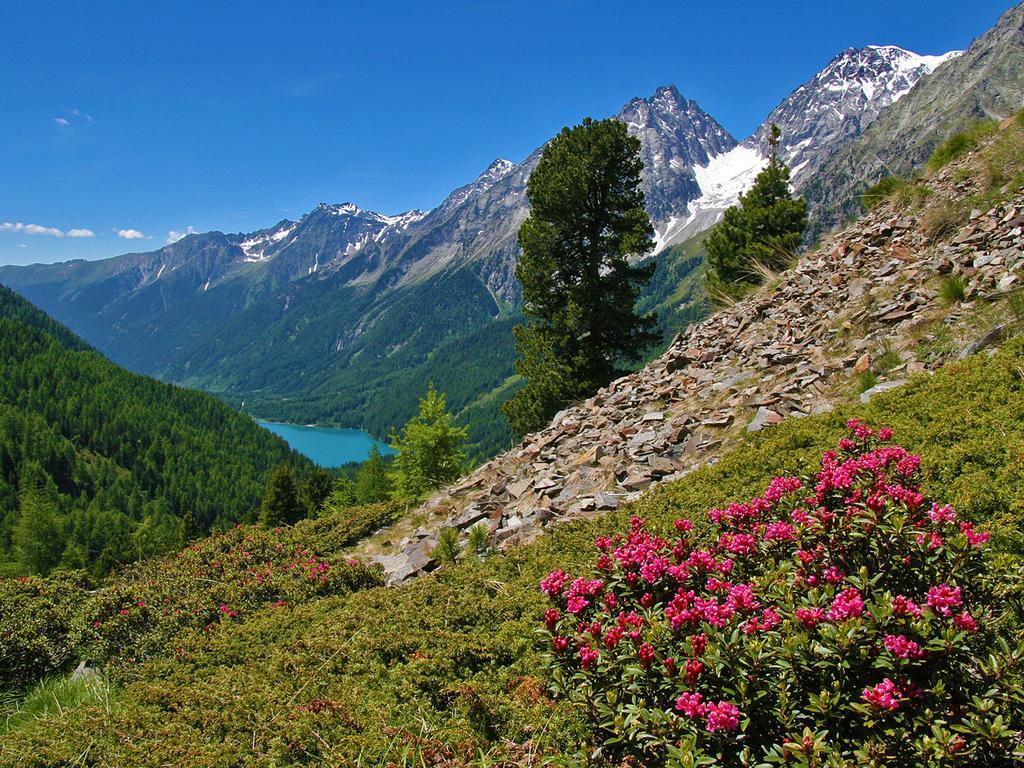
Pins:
x: 959, y: 144
x: 952, y: 290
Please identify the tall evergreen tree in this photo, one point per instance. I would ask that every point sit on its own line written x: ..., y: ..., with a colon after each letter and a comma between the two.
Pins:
x: 281, y: 504
x: 764, y: 230
x: 430, y: 451
x: 579, y: 288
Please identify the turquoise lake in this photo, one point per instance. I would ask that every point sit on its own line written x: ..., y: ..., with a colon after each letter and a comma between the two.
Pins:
x: 327, y: 447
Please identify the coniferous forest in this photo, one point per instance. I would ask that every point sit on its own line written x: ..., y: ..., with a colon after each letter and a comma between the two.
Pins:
x: 100, y: 467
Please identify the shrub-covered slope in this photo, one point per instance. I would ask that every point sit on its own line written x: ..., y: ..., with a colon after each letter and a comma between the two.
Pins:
x: 449, y: 670
x: 99, y: 466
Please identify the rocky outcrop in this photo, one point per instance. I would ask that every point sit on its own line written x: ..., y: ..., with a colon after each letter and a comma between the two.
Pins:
x: 788, y: 350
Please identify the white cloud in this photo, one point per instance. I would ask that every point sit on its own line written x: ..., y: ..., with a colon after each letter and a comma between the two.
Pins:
x: 30, y: 229
x: 174, y: 235
x: 130, y: 234
x: 80, y: 232
x: 22, y: 245
x: 63, y: 122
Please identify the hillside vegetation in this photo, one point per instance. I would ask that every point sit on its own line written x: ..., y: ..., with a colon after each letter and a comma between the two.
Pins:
x: 449, y: 669
x: 100, y: 467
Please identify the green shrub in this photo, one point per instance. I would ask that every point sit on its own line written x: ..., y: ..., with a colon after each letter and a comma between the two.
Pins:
x: 38, y: 628
x: 839, y: 618
x: 960, y: 144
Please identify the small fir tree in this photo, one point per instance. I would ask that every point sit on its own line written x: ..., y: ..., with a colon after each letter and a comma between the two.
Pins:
x: 763, y: 231
x: 587, y: 222
x: 317, y: 486
x: 373, y: 483
x: 281, y: 504
x: 430, y: 451
x: 37, y: 535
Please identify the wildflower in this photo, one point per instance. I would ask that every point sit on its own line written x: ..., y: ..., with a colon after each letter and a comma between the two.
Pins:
x: 885, y: 695
x: 670, y: 666
x: 901, y: 647
x: 693, y: 670
x: 973, y: 538
x: 699, y: 643
x: 588, y: 656
x: 612, y: 637
x: 943, y: 598
x: 646, y: 655
x: 847, y: 604
x: 904, y: 606
x: 941, y: 515
x: 690, y: 704
x: 683, y: 526
x: 553, y: 584
x: 810, y: 617
x: 722, y: 716
x: 551, y: 617
x: 560, y: 643
x: 965, y: 621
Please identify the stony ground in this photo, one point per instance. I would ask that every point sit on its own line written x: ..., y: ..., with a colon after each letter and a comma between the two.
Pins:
x: 864, y: 304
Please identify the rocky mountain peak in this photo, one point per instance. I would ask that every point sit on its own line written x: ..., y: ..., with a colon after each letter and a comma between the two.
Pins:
x: 676, y: 135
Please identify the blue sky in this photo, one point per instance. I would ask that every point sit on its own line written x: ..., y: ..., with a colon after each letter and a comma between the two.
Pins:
x: 133, y: 120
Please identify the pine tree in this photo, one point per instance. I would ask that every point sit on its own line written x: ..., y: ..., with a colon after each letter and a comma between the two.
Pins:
x: 373, y: 484
x: 316, y: 488
x: 763, y: 231
x: 430, y: 451
x: 579, y: 288
x: 281, y: 504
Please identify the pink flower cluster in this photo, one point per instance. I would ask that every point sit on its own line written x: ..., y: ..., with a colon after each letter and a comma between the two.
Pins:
x: 789, y: 561
x: 722, y: 716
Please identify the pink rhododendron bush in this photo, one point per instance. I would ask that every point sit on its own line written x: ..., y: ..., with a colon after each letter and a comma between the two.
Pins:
x: 845, y: 618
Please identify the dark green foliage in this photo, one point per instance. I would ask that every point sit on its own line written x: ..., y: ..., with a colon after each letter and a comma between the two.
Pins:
x: 108, y: 462
x: 36, y: 537
x: 579, y: 289
x: 447, y: 549
x: 317, y: 486
x: 450, y: 667
x: 373, y: 483
x: 762, y: 232
x: 281, y: 503
x: 38, y: 631
x: 429, y: 451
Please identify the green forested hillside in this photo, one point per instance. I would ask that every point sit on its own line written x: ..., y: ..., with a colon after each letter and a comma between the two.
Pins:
x: 99, y: 466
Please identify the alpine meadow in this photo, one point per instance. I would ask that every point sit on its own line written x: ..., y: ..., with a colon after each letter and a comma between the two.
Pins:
x: 651, y: 447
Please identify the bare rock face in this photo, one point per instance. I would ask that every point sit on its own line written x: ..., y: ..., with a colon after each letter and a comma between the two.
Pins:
x: 786, y: 351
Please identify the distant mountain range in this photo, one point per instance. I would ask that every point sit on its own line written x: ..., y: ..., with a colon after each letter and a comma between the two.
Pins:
x: 344, y: 315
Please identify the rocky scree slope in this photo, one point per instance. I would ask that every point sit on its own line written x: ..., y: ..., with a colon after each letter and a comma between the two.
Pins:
x: 867, y: 295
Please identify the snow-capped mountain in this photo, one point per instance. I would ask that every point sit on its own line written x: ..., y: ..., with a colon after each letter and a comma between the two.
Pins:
x: 830, y: 109
x: 344, y: 307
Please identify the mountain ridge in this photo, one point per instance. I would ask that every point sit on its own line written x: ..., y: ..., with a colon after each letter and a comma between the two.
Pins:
x: 358, y: 291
